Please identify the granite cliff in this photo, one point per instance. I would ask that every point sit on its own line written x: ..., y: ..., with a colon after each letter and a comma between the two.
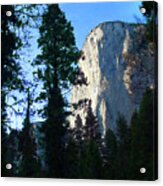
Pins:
x: 119, y: 65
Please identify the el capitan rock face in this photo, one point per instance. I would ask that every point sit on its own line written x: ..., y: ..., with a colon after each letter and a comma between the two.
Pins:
x: 119, y: 66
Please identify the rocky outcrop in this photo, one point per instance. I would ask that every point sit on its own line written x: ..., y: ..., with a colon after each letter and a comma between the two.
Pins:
x: 119, y: 66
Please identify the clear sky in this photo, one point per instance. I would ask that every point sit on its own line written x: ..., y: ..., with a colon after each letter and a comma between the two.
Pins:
x: 85, y: 16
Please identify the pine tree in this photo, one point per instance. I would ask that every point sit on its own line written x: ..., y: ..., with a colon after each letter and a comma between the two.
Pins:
x: 9, y: 73
x: 29, y: 164
x: 146, y: 116
x: 91, y: 160
x: 78, y: 138
x: 151, y: 15
x: 143, y: 139
x: 91, y: 125
x: 78, y: 130
x: 110, y: 155
x: 71, y: 168
x: 58, y: 59
x: 13, y: 151
x: 123, y: 148
x: 135, y: 146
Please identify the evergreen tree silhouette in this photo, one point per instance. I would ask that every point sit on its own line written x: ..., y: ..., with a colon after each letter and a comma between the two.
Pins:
x: 59, y: 57
x: 123, y: 148
x: 9, y: 75
x: 29, y: 163
x: 110, y: 155
x: 143, y: 139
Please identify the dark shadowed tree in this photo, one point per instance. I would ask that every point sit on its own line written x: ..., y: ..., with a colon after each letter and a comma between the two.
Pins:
x: 9, y: 73
x: 74, y: 145
x: 71, y: 168
x: 135, y: 146
x: 57, y: 70
x: 110, y: 156
x: 123, y: 148
x: 151, y: 15
x: 29, y: 164
x: 143, y: 139
x: 91, y: 130
x: 147, y: 141
x: 91, y: 160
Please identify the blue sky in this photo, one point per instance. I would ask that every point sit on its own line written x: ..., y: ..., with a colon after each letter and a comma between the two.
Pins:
x: 85, y: 16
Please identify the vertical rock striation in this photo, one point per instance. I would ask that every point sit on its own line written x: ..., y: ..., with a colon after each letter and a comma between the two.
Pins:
x: 119, y: 65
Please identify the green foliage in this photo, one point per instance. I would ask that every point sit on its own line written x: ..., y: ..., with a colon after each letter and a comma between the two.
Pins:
x: 91, y: 125
x: 143, y: 139
x: 57, y: 43
x: 72, y: 155
x: 110, y: 155
x: 91, y: 160
x: 10, y: 43
x: 135, y: 146
x: 151, y: 15
x: 82, y: 155
x: 57, y: 69
x: 123, y: 151
x: 58, y: 59
x: 9, y: 73
x: 4, y: 150
x: 29, y: 164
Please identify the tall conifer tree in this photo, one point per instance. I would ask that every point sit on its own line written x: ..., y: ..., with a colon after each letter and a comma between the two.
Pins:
x: 110, y: 156
x: 29, y: 164
x: 58, y: 59
x: 123, y: 150
x: 143, y: 139
x: 9, y: 69
x: 91, y: 161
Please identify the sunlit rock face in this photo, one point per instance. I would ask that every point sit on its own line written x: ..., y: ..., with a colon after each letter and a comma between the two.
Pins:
x: 119, y: 66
